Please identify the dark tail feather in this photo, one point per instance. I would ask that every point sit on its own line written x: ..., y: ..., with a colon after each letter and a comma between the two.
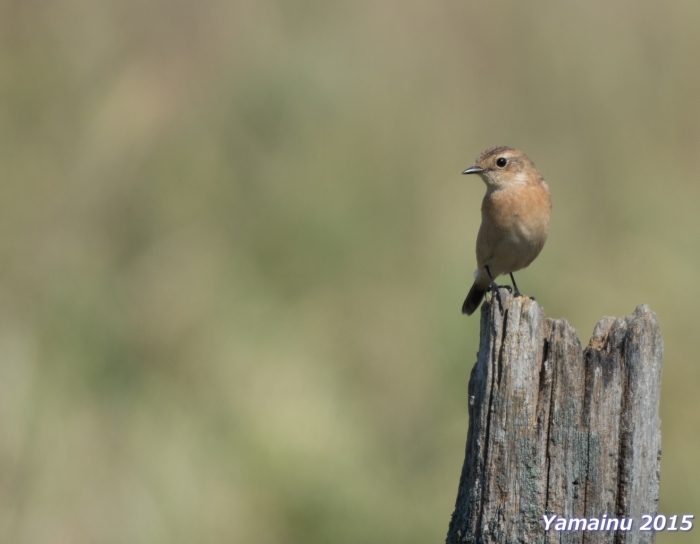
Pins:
x: 474, y: 298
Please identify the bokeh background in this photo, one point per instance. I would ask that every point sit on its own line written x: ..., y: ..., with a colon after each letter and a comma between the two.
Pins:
x: 234, y: 242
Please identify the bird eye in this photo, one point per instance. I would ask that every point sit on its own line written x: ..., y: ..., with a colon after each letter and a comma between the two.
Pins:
x: 500, y: 162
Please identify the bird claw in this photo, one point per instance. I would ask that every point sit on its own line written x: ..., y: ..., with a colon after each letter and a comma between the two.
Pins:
x: 496, y: 292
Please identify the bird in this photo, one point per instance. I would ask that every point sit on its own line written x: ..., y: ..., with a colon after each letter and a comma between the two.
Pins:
x: 515, y: 216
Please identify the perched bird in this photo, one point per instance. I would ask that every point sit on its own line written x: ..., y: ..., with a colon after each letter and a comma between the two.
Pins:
x: 514, y: 219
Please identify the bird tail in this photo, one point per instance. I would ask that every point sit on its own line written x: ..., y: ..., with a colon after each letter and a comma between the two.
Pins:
x: 474, y: 298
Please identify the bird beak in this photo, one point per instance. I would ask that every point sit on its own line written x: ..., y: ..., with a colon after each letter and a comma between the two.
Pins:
x: 473, y: 170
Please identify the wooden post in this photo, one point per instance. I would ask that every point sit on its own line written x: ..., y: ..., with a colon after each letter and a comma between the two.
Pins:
x: 560, y: 431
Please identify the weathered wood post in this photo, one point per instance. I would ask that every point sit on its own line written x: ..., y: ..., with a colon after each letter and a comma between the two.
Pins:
x: 559, y: 431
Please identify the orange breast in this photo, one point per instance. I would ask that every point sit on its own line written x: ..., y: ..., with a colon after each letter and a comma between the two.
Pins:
x: 514, y: 227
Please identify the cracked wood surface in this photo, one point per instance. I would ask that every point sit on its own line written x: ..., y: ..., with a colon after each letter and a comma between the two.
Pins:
x: 555, y: 429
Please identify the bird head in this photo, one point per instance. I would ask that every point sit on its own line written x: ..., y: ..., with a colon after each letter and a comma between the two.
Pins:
x: 503, y: 167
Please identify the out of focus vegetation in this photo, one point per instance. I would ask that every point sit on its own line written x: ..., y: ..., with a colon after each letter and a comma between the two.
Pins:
x: 234, y: 242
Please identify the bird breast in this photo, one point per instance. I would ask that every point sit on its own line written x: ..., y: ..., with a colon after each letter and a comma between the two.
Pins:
x: 515, y: 223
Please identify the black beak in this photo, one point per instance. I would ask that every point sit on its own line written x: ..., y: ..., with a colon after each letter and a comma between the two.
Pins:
x: 473, y: 170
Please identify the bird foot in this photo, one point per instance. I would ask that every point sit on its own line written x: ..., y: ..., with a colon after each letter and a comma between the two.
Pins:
x: 506, y: 287
x: 496, y: 292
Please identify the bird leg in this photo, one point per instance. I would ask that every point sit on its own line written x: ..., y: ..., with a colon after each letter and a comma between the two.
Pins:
x: 494, y: 289
x: 515, y: 285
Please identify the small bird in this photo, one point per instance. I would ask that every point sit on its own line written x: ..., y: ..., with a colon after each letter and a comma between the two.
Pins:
x: 514, y: 220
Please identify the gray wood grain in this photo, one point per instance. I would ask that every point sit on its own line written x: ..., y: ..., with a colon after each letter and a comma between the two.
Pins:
x: 555, y: 429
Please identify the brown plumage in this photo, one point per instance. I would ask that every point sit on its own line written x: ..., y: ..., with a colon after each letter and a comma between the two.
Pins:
x: 514, y: 219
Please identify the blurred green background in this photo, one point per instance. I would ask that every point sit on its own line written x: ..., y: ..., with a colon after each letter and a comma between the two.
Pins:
x: 234, y: 243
